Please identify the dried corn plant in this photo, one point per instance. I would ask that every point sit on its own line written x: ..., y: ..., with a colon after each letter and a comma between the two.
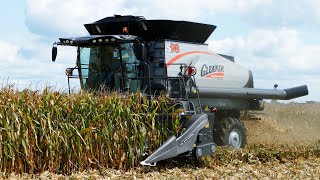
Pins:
x: 52, y: 131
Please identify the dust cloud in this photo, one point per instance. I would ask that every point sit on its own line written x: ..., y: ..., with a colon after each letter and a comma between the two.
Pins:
x: 284, y: 124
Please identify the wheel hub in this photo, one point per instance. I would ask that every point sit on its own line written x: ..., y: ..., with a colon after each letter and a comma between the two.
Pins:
x: 235, y: 139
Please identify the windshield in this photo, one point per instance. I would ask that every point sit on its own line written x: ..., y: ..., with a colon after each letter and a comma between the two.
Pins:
x: 102, y: 66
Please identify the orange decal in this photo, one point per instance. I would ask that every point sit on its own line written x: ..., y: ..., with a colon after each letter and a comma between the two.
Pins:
x: 174, y: 48
x: 174, y: 59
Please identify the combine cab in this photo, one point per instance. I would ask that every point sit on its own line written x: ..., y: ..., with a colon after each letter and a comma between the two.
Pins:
x: 131, y: 54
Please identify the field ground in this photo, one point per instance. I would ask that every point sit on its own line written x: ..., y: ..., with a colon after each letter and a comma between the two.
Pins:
x: 284, y: 143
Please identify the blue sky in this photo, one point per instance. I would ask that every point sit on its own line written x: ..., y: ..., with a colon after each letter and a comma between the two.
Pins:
x: 277, y: 40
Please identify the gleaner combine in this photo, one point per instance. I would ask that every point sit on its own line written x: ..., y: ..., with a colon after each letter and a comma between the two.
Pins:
x: 133, y: 54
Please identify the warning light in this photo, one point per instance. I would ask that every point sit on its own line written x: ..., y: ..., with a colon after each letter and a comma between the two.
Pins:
x: 182, y: 112
x: 191, y: 71
x: 213, y: 109
x: 125, y: 30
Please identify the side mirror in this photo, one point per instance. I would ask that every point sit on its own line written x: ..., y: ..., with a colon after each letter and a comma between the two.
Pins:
x: 54, y: 52
x: 139, y: 51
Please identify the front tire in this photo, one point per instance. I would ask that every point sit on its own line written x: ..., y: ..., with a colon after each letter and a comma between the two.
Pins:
x: 230, y: 131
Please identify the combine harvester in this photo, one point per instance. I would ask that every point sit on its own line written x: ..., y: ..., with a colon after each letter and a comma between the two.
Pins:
x: 131, y: 54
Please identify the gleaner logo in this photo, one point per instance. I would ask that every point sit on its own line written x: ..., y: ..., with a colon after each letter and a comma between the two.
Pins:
x: 215, y: 71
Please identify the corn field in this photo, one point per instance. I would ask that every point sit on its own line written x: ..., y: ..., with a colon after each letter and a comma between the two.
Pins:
x: 52, y: 135
x: 61, y: 133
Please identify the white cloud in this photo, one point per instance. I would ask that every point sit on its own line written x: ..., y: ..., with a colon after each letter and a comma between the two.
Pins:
x: 193, y: 9
x: 8, y: 52
x: 286, y: 13
x: 38, y: 69
x: 68, y: 17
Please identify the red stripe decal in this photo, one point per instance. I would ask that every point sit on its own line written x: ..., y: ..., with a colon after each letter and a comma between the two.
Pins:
x: 174, y: 59
x: 215, y: 75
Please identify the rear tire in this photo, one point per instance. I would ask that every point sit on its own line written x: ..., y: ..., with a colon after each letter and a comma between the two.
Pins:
x: 229, y: 131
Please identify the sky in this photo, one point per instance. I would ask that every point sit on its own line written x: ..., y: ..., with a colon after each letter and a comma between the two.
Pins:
x: 277, y: 40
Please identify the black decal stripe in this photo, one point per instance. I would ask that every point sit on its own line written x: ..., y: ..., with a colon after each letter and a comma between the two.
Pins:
x: 249, y: 84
